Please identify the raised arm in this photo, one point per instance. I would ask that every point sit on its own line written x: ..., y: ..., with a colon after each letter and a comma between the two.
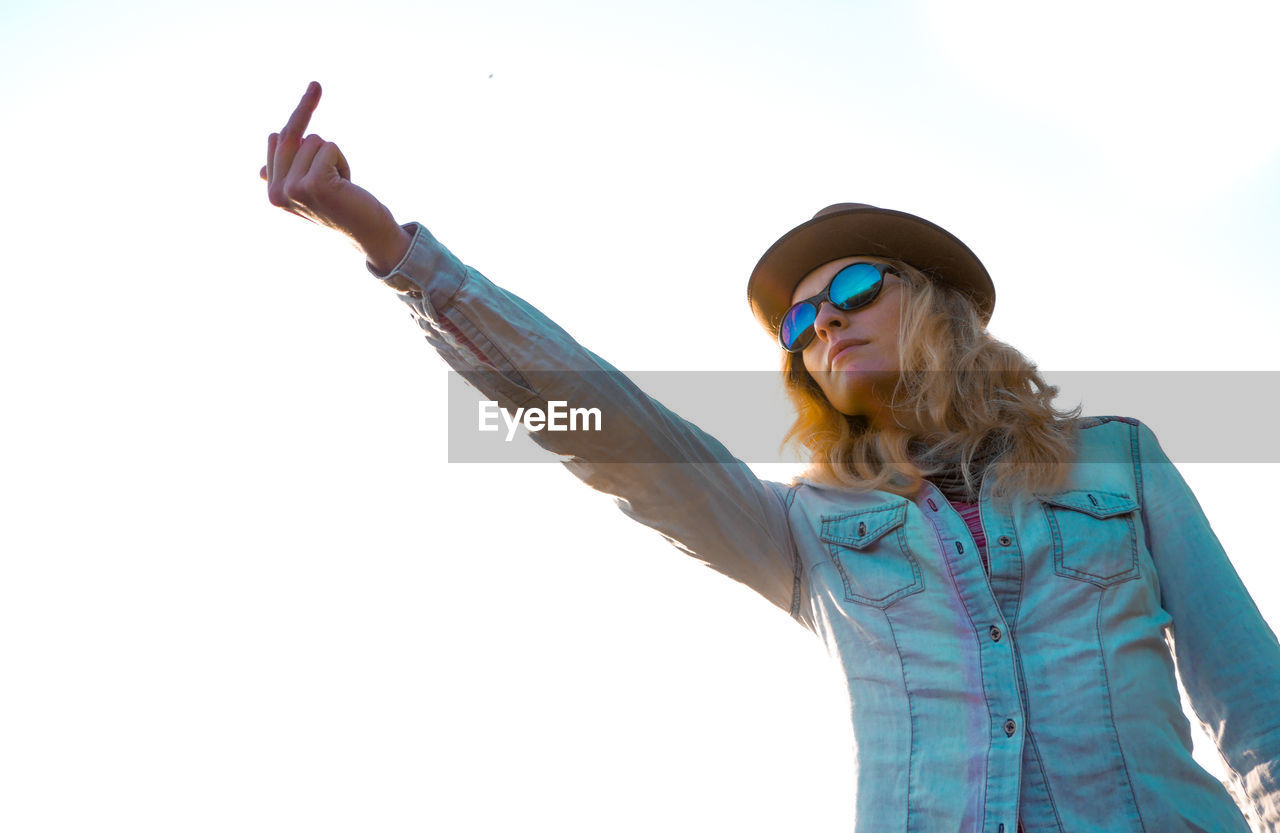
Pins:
x: 664, y: 471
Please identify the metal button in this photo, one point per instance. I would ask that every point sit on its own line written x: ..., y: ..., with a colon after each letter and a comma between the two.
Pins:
x: 862, y: 529
x: 1004, y: 540
x: 995, y: 634
x: 1010, y: 726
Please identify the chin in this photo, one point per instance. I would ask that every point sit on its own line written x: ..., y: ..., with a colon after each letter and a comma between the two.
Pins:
x: 863, y: 398
x: 849, y: 404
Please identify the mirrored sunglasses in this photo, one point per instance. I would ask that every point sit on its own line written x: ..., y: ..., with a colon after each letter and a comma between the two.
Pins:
x: 853, y: 287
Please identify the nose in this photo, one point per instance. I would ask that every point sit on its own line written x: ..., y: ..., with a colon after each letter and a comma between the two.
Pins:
x: 829, y: 318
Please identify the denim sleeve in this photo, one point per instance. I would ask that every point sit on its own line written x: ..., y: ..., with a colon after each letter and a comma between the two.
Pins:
x: 1227, y: 656
x: 663, y: 471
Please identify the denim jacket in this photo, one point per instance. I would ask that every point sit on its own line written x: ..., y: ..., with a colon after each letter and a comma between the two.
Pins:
x: 1044, y: 690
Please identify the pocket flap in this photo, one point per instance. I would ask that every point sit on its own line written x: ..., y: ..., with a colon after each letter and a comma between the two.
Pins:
x: 1095, y: 503
x: 861, y: 529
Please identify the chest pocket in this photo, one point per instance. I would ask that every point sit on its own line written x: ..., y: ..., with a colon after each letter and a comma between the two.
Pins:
x: 1094, y: 536
x: 869, y: 549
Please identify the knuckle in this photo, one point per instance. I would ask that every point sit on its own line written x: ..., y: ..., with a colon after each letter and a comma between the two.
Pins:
x: 299, y: 191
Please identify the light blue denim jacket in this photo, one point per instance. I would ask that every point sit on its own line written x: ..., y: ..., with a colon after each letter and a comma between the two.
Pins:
x: 1044, y: 690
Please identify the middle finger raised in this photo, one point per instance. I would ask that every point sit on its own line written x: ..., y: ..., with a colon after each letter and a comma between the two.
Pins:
x: 301, y: 116
x: 289, y: 138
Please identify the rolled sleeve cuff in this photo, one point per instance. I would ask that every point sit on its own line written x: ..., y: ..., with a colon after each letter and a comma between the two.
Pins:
x: 428, y: 270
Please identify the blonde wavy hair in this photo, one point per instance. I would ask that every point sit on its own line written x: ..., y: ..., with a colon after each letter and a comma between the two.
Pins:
x: 969, y: 399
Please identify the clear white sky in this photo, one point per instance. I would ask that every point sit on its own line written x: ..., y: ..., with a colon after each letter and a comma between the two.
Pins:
x: 241, y: 588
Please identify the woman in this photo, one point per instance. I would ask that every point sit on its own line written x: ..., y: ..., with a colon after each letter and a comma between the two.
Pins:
x: 1001, y: 581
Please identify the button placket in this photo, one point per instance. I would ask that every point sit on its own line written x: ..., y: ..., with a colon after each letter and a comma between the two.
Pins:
x: 999, y: 661
x: 977, y: 590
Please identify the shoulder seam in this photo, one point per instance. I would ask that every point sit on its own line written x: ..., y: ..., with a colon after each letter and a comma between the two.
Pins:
x: 1085, y: 423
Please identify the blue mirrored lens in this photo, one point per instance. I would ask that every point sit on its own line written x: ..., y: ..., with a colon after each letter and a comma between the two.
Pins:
x: 855, y: 286
x: 796, y: 324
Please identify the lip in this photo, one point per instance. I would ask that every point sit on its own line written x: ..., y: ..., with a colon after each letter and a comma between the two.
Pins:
x: 834, y: 351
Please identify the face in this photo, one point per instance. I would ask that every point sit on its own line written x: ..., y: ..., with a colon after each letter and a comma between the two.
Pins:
x: 854, y: 355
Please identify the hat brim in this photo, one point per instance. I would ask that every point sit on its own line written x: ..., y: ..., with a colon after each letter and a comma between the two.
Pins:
x: 852, y: 229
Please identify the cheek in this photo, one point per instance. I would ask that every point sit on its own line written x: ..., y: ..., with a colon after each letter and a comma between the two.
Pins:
x: 889, y: 329
x: 812, y: 360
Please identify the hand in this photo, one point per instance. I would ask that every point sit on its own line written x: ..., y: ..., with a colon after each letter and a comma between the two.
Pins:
x: 311, y: 178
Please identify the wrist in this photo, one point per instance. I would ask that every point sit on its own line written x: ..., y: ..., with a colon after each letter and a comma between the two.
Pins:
x: 385, y: 250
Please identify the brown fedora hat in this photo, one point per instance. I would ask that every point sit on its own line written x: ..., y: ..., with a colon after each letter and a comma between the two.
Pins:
x: 848, y: 229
